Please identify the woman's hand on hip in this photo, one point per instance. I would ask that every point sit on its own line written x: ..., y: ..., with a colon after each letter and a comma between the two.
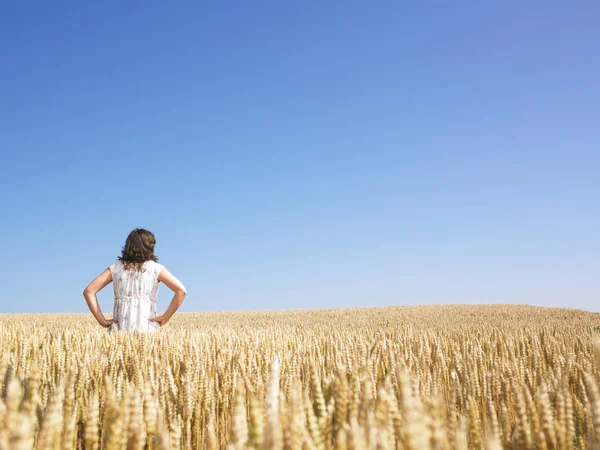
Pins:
x: 108, y: 322
x: 160, y: 320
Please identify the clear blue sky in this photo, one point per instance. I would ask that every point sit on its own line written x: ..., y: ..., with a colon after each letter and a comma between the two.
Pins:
x: 303, y: 154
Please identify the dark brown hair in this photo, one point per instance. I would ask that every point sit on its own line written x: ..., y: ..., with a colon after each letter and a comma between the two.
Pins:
x: 139, y: 248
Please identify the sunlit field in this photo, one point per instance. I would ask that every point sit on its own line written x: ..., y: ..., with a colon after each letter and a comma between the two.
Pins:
x: 489, y: 376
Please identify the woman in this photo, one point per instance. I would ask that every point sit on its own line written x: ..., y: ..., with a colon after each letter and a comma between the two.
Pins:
x: 135, y: 278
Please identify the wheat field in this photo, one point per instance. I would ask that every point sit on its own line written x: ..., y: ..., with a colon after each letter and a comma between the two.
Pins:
x: 418, y: 377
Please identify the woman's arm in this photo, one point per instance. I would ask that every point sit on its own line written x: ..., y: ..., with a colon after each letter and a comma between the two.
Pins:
x: 178, y: 288
x: 90, y: 297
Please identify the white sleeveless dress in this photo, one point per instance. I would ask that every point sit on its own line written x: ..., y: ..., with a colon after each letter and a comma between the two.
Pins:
x: 135, y: 297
